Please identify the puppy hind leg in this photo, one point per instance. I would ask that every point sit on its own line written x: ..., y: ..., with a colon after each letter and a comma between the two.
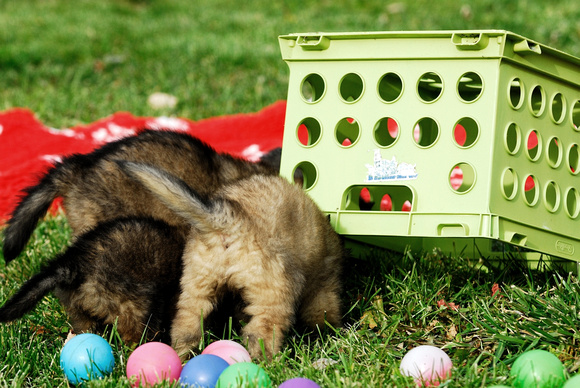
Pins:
x: 193, y: 308
x: 272, y: 311
x: 320, y: 306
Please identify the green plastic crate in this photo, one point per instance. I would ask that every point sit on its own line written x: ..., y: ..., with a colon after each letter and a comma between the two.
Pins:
x: 473, y: 135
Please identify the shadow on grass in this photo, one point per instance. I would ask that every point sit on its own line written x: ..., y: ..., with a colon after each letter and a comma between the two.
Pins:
x: 481, y: 308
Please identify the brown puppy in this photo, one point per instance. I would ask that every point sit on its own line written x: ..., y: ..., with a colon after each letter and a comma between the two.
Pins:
x: 95, y: 190
x: 126, y: 271
x: 259, y: 236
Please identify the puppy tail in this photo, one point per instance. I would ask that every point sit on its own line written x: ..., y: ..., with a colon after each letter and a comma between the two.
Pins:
x: 198, y: 210
x: 32, y: 292
x: 35, y: 203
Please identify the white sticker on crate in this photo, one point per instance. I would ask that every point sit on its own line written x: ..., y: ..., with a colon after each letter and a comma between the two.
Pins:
x: 389, y: 170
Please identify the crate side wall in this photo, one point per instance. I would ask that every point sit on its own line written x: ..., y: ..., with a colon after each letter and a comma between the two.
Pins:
x: 537, y: 148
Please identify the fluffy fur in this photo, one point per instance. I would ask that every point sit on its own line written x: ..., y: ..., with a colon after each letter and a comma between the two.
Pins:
x: 95, y: 190
x: 259, y: 236
x: 126, y: 271
x: 223, y: 226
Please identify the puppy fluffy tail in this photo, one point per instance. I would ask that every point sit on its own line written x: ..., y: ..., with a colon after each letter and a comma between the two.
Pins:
x: 32, y: 207
x: 203, y: 213
x: 32, y: 292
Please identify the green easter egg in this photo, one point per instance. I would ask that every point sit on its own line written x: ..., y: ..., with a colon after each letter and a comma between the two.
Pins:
x: 538, y: 368
x: 573, y: 382
x: 244, y: 374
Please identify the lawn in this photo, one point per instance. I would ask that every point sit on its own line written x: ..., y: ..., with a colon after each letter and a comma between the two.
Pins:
x: 73, y: 64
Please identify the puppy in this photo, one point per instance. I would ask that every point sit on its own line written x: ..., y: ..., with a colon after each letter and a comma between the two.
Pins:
x: 261, y: 237
x: 258, y: 237
x: 95, y: 190
x: 126, y: 271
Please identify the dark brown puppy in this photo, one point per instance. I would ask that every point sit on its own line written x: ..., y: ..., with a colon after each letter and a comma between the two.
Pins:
x: 259, y: 236
x: 95, y: 190
x: 126, y: 271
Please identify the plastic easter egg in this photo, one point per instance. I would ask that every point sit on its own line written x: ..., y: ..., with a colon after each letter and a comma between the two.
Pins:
x: 429, y: 365
x: 537, y: 368
x: 573, y: 382
x: 240, y: 373
x: 202, y: 371
x: 299, y: 382
x: 230, y: 351
x: 153, y: 362
x: 86, y: 357
x: 386, y: 203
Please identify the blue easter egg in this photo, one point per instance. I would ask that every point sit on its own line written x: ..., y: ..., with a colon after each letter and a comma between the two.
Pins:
x: 86, y: 357
x: 202, y: 371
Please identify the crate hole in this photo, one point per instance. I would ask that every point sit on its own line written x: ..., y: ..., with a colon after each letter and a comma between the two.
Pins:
x: 554, y: 152
x: 509, y: 183
x: 305, y: 173
x: 312, y: 88
x: 552, y: 196
x: 392, y: 198
x: 537, y: 100
x: 576, y: 115
x: 430, y: 87
x: 386, y: 131
x: 531, y: 191
x: 308, y: 131
x: 516, y: 93
x: 534, y: 145
x: 351, y: 87
x: 347, y: 131
x: 462, y: 177
x: 558, y: 108
x: 466, y: 132
x: 426, y: 132
x: 572, y: 199
x: 390, y: 87
x: 470, y: 86
x: 574, y: 158
x: 512, y: 138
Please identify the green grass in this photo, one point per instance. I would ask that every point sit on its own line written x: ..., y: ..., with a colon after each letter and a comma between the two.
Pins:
x: 73, y: 64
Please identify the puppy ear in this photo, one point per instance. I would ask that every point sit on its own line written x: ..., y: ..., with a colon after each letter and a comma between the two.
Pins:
x: 198, y: 210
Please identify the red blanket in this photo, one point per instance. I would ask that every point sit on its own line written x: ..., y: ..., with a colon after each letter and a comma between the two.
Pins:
x: 28, y: 148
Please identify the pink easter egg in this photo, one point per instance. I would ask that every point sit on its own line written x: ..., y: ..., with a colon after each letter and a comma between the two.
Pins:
x: 230, y: 351
x: 429, y: 365
x: 153, y: 362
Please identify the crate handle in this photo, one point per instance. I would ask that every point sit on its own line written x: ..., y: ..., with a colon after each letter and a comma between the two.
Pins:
x: 470, y: 41
x: 313, y: 42
x: 453, y: 230
x: 524, y: 47
x: 517, y: 238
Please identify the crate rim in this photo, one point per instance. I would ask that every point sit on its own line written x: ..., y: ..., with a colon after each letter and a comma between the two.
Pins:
x: 429, y: 34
